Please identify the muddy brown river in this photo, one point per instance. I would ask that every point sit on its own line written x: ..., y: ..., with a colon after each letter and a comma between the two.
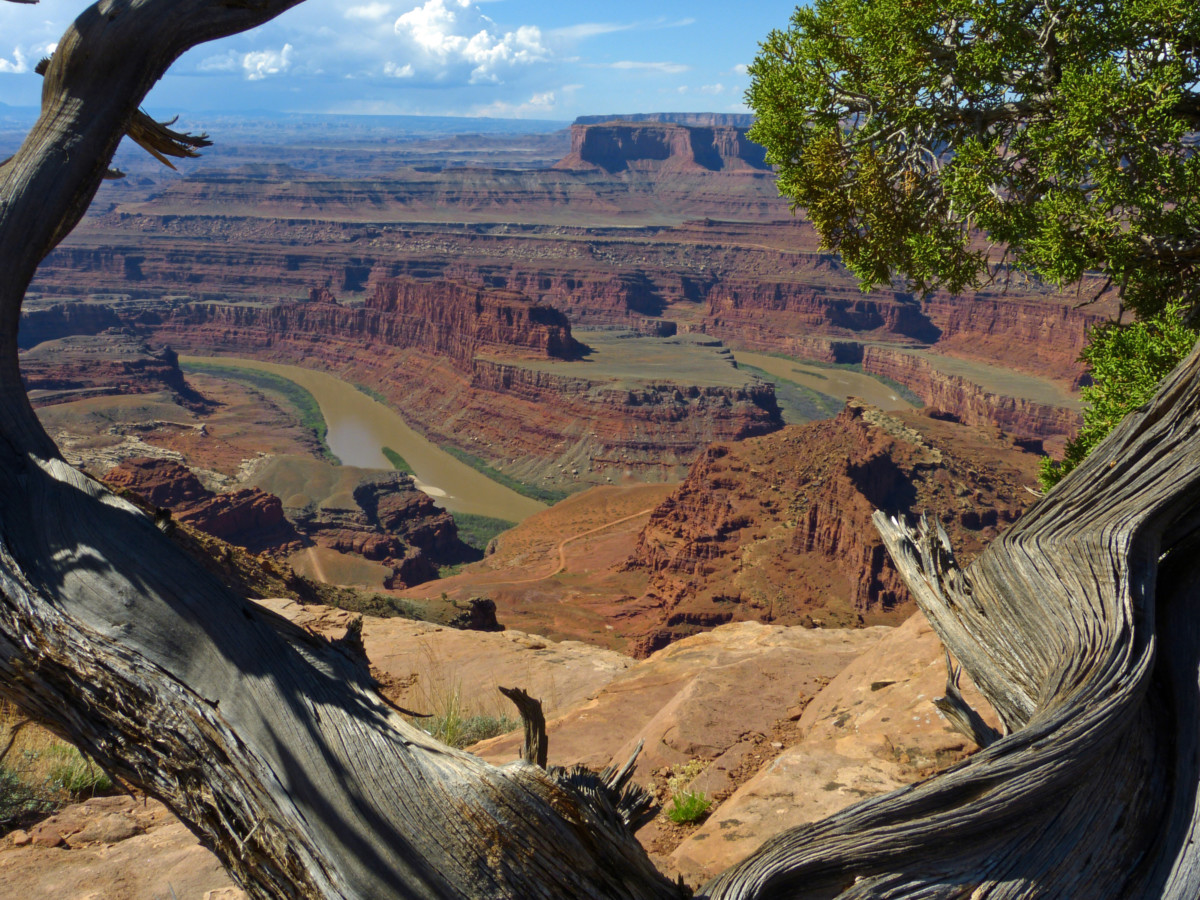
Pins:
x: 359, y: 429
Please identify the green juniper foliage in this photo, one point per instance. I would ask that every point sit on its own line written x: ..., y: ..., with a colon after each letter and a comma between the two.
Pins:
x: 1127, y: 363
x: 1059, y: 130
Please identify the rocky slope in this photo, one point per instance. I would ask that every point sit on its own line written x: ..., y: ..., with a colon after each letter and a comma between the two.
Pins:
x: 778, y: 528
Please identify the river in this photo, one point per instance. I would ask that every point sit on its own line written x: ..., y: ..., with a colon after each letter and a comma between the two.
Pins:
x: 359, y: 429
x: 839, y: 383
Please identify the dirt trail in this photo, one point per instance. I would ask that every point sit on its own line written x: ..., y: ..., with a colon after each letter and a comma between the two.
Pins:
x: 318, y: 569
x: 562, y: 546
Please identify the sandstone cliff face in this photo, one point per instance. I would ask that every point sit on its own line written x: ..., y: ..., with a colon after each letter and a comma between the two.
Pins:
x: 662, y: 148
x: 778, y: 528
x: 1029, y: 335
x: 763, y: 315
x: 440, y: 318
x: 971, y: 404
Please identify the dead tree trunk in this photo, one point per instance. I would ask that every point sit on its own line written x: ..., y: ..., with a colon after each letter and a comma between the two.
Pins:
x: 1080, y: 625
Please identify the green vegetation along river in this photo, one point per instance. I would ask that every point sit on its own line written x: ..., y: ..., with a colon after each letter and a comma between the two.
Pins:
x: 360, y: 427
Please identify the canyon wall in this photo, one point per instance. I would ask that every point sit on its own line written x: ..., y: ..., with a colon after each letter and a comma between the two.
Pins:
x: 458, y: 364
x: 441, y: 318
x: 778, y: 528
x: 970, y: 403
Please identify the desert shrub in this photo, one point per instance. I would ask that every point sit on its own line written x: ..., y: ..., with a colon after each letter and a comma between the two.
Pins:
x: 1126, y: 363
x: 453, y: 723
x: 478, y: 531
x: 40, y: 773
x: 687, y: 805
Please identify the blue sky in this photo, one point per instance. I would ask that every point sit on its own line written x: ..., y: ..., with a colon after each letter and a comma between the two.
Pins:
x: 503, y: 58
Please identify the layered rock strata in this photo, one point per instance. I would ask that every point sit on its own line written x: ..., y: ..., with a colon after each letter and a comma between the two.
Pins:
x: 662, y: 147
x: 778, y: 528
x: 969, y: 402
x: 111, y: 363
x: 458, y: 363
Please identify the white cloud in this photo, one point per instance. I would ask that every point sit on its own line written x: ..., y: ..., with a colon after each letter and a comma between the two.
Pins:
x: 370, y: 12
x: 712, y: 89
x: 223, y: 63
x: 589, y: 29
x: 741, y: 69
x: 261, y: 63
x: 665, y: 68
x: 394, y: 71
x: 17, y: 66
x: 448, y: 36
x: 541, y: 104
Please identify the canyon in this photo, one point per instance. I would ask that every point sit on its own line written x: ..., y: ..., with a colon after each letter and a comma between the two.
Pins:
x: 657, y: 228
x: 573, y: 320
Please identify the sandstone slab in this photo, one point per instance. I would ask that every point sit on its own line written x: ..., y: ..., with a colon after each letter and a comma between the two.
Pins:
x: 871, y: 730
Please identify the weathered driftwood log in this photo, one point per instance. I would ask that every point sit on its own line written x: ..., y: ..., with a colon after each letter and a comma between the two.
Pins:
x: 1080, y: 625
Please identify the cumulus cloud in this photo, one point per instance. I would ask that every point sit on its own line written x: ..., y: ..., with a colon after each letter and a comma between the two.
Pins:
x: 261, y: 63
x: 394, y: 71
x: 18, y: 65
x: 446, y: 36
x: 741, y: 69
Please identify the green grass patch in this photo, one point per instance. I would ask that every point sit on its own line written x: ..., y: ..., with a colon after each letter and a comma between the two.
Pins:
x: 399, y: 463
x: 687, y: 805
x: 798, y: 403
x: 20, y: 802
x: 454, y: 724
x: 371, y: 392
x: 478, y: 531
x: 533, y: 491
x: 304, y: 403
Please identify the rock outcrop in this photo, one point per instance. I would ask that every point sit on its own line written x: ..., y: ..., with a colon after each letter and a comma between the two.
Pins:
x: 662, y: 148
x: 110, y: 363
x: 378, y: 516
x: 778, y: 528
x: 248, y: 517
x: 872, y: 729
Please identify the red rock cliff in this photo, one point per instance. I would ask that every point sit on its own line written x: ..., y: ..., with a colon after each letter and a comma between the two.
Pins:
x: 449, y: 320
x: 778, y: 528
x: 971, y: 404
x: 619, y: 146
